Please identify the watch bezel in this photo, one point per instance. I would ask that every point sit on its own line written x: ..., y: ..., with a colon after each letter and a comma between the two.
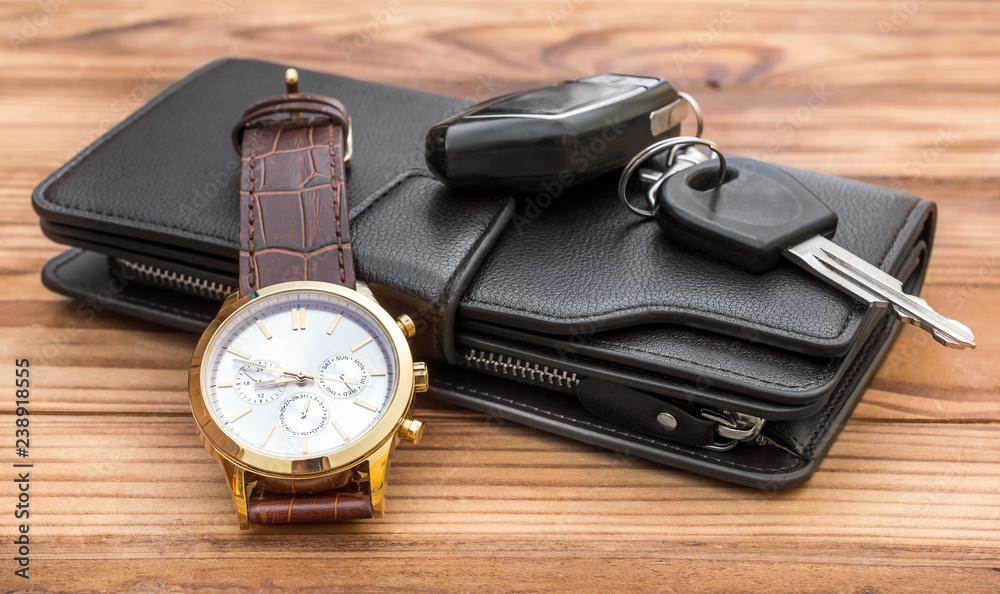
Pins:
x: 385, y: 428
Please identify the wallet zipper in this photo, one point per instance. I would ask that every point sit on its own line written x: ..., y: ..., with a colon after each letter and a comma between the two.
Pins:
x: 731, y: 428
x: 520, y: 369
x: 161, y: 277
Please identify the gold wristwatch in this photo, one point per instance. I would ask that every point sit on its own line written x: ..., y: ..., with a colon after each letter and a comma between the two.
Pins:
x: 303, y: 385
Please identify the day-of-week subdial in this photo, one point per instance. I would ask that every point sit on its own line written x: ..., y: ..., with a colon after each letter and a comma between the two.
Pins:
x: 303, y: 415
x: 342, y: 376
x: 249, y: 376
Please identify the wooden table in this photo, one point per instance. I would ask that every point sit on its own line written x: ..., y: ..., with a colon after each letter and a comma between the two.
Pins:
x: 897, y: 93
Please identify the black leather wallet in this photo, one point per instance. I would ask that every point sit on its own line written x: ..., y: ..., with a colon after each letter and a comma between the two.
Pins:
x: 566, y: 313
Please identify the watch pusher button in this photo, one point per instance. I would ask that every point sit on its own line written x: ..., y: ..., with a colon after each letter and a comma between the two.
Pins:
x: 405, y: 324
x: 412, y: 430
x: 421, y: 381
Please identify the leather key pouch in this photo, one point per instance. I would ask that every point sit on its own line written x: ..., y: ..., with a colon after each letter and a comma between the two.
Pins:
x: 564, y: 312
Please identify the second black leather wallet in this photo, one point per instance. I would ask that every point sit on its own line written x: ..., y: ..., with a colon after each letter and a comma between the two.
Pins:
x: 577, y: 318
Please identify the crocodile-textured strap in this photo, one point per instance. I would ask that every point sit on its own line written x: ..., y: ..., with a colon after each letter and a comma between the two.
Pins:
x: 293, y: 205
x: 349, y: 501
x: 294, y: 226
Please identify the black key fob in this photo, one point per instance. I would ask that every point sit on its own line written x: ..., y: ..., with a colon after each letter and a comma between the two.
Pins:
x: 554, y: 137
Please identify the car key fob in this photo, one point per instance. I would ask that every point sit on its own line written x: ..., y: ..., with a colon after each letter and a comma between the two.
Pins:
x: 554, y: 137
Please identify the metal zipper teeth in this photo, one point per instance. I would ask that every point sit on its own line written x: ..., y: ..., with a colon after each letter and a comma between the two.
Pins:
x: 551, y: 377
x: 520, y: 369
x: 192, y: 285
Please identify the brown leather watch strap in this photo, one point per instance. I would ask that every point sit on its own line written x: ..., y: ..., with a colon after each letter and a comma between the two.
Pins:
x: 315, y: 508
x: 294, y: 226
x: 350, y: 501
x: 293, y: 204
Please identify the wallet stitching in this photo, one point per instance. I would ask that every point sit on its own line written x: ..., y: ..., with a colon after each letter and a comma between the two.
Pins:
x: 899, y: 231
x: 808, y: 447
x: 115, y: 131
x: 166, y: 308
x: 811, y: 444
x: 675, y: 308
x: 724, y: 372
x: 663, y: 444
x: 157, y: 226
x: 744, y: 321
x: 400, y: 177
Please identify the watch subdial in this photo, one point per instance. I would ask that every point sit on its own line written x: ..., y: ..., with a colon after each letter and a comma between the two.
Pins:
x: 303, y: 415
x: 249, y: 375
x: 342, y: 376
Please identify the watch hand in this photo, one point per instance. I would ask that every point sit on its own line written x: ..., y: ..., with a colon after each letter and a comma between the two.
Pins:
x: 343, y: 381
x: 243, y: 361
x: 278, y: 381
x: 275, y: 382
x: 293, y: 374
x: 305, y: 408
x: 288, y: 380
x: 246, y: 362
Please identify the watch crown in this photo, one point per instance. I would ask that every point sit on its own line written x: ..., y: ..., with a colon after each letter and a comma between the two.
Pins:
x: 421, y: 381
x: 412, y: 430
x: 405, y: 324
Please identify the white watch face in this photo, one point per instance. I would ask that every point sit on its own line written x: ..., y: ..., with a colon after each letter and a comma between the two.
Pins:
x: 299, y: 375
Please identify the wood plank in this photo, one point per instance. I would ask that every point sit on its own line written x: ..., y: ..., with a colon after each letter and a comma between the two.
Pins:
x: 937, y: 482
x: 486, y: 496
x: 502, y: 571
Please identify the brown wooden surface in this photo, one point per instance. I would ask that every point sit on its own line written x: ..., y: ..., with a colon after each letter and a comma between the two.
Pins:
x: 125, y: 497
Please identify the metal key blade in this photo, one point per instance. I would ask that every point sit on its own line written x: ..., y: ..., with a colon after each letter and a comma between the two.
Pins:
x: 866, y: 282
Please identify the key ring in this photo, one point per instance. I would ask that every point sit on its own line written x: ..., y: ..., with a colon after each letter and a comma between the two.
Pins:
x: 673, y: 144
x: 698, y: 117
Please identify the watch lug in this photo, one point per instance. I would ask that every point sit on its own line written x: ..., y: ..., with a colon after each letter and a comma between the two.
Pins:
x: 362, y: 287
x: 378, y: 467
x: 236, y: 477
x: 235, y: 295
x: 349, y: 153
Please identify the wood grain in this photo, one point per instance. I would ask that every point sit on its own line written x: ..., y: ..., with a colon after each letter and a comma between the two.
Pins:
x: 900, y: 94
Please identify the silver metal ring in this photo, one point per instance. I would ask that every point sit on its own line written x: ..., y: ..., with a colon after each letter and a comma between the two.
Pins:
x: 653, y: 149
x: 699, y: 118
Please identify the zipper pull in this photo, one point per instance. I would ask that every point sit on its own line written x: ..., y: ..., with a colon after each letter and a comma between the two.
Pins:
x: 737, y: 427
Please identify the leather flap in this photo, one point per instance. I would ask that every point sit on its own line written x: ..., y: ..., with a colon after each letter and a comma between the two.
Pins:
x: 585, y: 264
